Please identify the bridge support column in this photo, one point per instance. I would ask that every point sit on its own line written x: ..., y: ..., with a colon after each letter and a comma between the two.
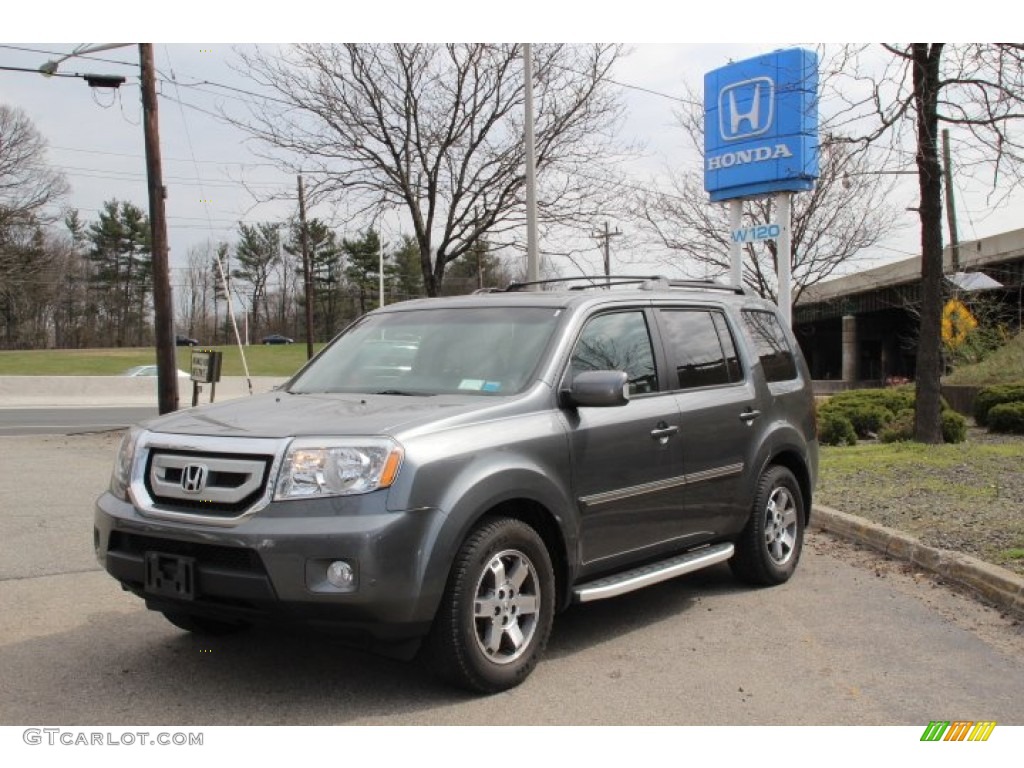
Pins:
x: 849, y: 348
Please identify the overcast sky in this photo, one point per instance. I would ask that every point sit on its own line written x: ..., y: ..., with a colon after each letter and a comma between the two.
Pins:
x: 96, y: 136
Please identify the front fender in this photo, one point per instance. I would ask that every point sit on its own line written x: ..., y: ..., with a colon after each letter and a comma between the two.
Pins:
x: 467, y: 472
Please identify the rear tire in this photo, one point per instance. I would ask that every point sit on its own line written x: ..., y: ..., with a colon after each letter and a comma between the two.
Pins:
x: 495, y: 617
x: 769, y: 548
x: 203, y: 625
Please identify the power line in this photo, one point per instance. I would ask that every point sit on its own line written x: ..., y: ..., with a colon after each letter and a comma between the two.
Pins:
x: 171, y: 159
x: 116, y: 175
x: 77, y: 55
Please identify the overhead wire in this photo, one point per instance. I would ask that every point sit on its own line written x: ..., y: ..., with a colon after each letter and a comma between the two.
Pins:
x: 88, y: 56
x: 216, y: 254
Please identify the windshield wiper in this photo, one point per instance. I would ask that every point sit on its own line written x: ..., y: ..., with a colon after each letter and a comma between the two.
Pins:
x: 401, y: 392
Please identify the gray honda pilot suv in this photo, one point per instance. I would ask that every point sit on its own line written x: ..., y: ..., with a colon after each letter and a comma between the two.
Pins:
x: 449, y: 473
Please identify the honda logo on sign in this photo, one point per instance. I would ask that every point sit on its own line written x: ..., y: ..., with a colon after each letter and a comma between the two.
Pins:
x: 746, y: 108
x: 193, y: 478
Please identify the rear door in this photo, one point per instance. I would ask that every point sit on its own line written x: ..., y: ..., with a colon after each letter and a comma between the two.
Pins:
x: 720, y: 417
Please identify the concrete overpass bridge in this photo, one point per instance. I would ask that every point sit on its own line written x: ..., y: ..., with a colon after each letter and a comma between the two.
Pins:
x: 862, y: 328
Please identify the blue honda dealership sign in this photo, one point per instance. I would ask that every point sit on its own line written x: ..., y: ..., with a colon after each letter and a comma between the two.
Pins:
x: 761, y: 126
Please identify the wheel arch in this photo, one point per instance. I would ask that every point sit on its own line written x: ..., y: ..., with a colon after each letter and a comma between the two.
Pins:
x: 541, y: 519
x: 791, y: 460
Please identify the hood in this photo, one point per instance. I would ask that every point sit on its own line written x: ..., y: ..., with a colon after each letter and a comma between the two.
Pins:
x: 281, y: 414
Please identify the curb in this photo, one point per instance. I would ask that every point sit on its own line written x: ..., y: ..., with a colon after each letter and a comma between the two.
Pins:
x: 999, y: 586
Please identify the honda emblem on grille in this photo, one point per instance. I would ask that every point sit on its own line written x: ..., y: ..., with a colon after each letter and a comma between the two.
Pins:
x: 193, y: 478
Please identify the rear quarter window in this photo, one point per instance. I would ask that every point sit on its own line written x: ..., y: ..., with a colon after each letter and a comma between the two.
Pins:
x: 770, y: 345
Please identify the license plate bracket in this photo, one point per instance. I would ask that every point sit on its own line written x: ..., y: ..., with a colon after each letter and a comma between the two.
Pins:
x: 171, y: 575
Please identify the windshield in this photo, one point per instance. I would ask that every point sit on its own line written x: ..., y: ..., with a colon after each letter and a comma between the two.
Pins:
x: 472, y: 351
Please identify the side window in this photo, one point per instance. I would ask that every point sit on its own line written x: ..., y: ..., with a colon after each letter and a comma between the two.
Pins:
x: 618, y: 342
x: 770, y: 344
x: 732, y: 360
x: 697, y: 350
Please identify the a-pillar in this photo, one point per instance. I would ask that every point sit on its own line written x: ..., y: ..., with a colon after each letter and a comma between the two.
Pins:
x: 849, y: 348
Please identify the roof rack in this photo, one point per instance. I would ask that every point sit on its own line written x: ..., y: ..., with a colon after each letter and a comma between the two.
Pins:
x: 595, y: 281
x: 645, y: 282
x: 707, y: 285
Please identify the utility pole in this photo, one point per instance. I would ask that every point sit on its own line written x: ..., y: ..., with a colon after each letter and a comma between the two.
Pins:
x: 307, y: 271
x: 607, y: 236
x: 167, y: 366
x: 532, y: 258
x: 954, y: 240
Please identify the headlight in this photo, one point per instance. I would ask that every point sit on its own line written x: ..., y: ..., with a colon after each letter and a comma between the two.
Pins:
x: 316, y: 467
x: 121, y: 477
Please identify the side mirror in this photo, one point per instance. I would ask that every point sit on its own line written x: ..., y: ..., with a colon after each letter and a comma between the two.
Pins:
x: 597, y: 389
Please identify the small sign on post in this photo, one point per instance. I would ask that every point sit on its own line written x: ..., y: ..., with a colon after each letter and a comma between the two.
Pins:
x: 754, y: 234
x: 205, y: 370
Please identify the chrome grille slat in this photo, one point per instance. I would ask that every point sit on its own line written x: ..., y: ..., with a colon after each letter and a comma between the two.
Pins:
x: 166, y: 477
x: 228, y: 478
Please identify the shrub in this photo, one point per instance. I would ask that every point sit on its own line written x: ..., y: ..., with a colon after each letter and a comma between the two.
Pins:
x: 894, y: 399
x: 954, y: 427
x: 1007, y: 417
x: 836, y: 429
x: 990, y: 397
x: 868, y: 419
x: 899, y: 429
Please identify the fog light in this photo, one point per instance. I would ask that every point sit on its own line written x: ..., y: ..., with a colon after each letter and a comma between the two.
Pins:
x: 341, y: 575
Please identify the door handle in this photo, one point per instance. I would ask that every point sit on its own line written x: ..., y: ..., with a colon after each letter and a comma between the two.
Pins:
x: 749, y: 415
x: 663, y: 432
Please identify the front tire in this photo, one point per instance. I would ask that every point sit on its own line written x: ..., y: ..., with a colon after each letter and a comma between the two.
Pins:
x: 769, y: 548
x: 496, y: 614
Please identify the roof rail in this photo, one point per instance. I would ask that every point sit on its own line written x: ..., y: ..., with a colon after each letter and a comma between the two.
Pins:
x: 707, y: 285
x: 645, y: 282
x: 595, y: 281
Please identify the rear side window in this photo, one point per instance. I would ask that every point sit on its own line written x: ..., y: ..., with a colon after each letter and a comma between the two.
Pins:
x: 771, y: 345
x: 618, y: 342
x: 701, y: 348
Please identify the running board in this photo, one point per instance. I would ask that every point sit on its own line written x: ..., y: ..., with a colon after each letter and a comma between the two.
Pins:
x: 627, y: 581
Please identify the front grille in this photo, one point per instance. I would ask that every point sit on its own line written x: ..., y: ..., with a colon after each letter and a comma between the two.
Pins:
x: 213, y: 484
x: 211, y: 555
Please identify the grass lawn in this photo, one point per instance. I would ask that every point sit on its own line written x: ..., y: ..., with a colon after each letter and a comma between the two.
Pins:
x: 1004, y: 366
x: 271, y: 360
x: 966, y: 497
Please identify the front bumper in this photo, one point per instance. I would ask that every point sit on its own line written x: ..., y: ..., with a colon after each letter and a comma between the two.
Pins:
x: 271, y: 566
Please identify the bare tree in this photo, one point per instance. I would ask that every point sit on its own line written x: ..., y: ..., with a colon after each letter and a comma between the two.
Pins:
x: 979, y: 90
x: 27, y: 183
x: 196, y: 293
x: 842, y: 216
x: 437, y: 130
x: 27, y: 186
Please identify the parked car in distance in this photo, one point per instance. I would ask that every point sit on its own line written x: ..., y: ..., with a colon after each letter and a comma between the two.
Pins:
x: 449, y: 474
x: 277, y: 338
x: 185, y: 341
x: 150, y: 370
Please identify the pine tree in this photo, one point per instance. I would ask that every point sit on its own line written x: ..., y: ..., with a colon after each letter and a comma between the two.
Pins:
x: 122, y: 267
x: 326, y: 268
x: 257, y: 252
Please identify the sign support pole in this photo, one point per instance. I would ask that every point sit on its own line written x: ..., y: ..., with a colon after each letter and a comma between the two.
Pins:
x: 784, y: 257
x: 735, y: 246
